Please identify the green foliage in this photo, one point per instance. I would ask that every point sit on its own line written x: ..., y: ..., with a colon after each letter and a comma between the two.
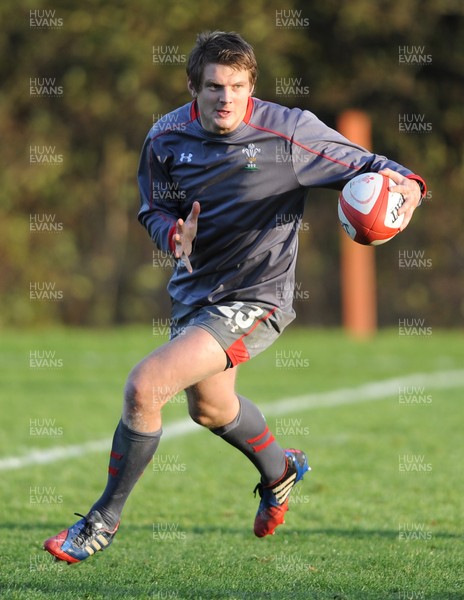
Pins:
x: 102, y: 56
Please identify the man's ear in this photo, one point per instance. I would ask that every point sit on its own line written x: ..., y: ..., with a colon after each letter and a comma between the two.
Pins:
x: 191, y: 89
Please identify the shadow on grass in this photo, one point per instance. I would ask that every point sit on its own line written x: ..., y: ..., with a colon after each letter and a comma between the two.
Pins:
x: 353, y: 533
x: 94, y: 579
x: 193, y: 590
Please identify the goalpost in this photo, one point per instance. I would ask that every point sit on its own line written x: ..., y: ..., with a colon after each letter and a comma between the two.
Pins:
x: 357, y: 269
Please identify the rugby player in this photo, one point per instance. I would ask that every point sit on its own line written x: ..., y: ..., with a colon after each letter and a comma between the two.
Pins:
x: 238, y: 170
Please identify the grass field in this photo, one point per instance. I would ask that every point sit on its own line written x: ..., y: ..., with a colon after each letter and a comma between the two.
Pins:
x: 379, y: 517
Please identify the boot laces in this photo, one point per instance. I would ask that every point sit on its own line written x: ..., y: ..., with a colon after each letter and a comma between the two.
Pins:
x: 88, y: 532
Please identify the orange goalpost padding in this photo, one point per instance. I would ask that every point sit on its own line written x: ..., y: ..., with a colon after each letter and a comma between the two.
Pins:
x: 357, y: 269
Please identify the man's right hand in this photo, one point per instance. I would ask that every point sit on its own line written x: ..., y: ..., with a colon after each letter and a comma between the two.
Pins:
x: 186, y: 232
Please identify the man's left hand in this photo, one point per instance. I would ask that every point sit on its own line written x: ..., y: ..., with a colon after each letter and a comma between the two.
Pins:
x: 409, y: 189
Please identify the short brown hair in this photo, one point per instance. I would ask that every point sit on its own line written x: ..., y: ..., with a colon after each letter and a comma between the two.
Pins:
x: 223, y: 48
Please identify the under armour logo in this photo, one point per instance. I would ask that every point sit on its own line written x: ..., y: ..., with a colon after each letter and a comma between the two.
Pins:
x: 187, y: 157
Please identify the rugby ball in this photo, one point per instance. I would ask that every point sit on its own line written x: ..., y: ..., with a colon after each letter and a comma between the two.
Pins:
x: 368, y: 211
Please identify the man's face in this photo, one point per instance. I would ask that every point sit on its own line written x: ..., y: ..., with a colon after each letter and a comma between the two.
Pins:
x: 223, y: 98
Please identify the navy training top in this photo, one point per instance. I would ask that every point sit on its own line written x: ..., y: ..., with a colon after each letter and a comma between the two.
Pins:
x: 251, y: 184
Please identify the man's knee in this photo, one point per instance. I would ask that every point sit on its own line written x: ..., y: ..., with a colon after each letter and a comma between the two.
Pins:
x: 199, y: 410
x: 143, y: 392
x: 195, y: 409
x: 135, y: 391
x: 204, y: 416
x: 206, y: 411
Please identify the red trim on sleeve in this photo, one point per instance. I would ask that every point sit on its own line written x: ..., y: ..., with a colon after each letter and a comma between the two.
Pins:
x: 172, y: 245
x: 316, y: 152
x: 421, y: 182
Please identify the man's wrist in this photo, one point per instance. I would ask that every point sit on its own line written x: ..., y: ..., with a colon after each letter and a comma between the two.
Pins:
x: 422, y: 186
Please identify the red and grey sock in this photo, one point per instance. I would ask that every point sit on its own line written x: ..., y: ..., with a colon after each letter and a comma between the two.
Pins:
x: 130, y: 454
x: 249, y: 433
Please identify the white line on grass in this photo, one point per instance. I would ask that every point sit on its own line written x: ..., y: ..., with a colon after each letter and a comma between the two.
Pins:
x: 374, y: 390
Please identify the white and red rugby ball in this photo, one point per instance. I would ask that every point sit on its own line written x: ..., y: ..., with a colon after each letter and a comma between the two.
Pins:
x: 368, y: 211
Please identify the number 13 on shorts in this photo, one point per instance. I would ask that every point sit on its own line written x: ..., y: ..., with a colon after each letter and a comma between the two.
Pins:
x: 238, y: 318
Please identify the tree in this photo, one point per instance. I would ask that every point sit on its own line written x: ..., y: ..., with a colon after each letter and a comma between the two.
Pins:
x: 84, y: 83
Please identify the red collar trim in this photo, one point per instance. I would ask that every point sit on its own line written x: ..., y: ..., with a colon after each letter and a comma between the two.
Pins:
x: 194, y: 112
x: 249, y: 110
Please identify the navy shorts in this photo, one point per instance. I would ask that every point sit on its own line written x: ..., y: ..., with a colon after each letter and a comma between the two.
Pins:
x: 243, y: 329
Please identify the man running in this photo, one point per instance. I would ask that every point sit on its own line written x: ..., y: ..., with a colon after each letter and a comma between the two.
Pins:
x: 237, y: 170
